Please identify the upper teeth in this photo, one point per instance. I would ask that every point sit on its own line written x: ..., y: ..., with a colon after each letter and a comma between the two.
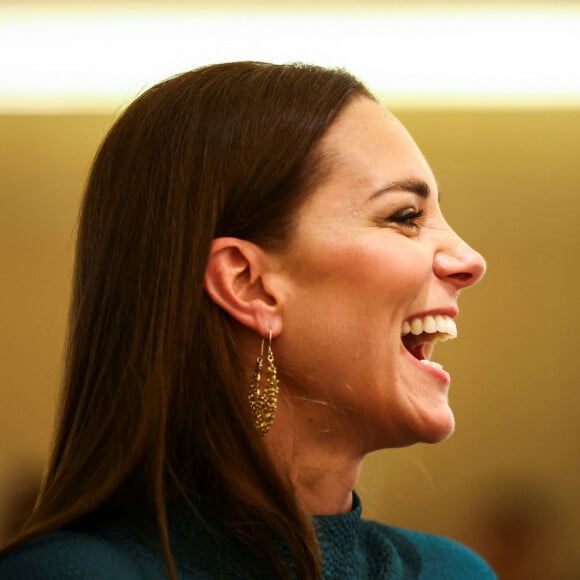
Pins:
x: 430, y: 324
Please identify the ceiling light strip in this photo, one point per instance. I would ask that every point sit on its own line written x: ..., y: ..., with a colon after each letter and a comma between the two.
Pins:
x: 98, y: 60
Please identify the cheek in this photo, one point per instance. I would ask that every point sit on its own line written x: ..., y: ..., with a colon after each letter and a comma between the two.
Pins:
x: 341, y: 334
x: 370, y: 275
x: 355, y: 295
x: 385, y: 272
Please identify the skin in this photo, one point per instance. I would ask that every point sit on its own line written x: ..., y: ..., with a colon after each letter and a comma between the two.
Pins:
x: 359, y: 264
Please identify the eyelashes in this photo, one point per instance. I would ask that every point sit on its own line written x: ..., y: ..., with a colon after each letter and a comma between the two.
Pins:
x: 407, y: 217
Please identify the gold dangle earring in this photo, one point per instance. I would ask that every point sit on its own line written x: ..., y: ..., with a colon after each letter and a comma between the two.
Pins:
x: 263, y: 403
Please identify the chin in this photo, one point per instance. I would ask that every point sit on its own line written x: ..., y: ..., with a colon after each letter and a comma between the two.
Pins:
x: 438, y: 429
x: 430, y: 427
x: 427, y: 429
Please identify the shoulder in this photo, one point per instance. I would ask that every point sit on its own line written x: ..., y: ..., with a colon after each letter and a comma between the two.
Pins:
x: 67, y: 555
x: 429, y: 556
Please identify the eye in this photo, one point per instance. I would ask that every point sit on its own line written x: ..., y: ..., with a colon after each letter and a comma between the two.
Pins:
x: 407, y: 217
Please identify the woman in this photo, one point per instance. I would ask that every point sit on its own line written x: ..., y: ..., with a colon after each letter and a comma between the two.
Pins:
x: 262, y: 270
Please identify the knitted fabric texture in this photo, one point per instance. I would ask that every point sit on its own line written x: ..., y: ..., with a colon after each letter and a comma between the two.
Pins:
x: 352, y: 548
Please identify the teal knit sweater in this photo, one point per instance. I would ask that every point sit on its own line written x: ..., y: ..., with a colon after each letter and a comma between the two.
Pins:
x: 352, y: 548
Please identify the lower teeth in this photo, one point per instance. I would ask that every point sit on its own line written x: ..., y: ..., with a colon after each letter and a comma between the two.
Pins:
x: 432, y: 363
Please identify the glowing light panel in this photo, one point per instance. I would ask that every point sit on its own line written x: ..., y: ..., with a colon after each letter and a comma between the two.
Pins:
x: 96, y: 60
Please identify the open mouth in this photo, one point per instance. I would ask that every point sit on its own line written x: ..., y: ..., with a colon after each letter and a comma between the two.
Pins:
x: 420, y: 334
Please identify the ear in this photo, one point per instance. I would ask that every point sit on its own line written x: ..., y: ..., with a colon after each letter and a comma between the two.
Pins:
x: 235, y: 281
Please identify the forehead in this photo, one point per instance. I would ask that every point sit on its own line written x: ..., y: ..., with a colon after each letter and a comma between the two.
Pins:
x: 367, y: 147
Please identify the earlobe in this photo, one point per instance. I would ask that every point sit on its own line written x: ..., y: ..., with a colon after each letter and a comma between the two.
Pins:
x: 234, y: 281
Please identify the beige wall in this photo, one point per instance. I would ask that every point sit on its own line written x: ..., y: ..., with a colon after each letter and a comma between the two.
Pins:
x: 510, y: 184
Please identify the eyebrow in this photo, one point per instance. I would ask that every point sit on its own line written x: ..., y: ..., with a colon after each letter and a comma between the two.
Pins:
x: 416, y: 186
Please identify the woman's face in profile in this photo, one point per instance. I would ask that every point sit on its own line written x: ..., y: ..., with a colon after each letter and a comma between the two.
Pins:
x: 370, y: 258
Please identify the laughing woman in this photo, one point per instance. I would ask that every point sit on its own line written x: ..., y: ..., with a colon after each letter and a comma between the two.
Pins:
x: 254, y: 241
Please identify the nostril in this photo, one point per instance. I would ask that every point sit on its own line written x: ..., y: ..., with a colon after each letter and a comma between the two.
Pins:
x: 461, y: 276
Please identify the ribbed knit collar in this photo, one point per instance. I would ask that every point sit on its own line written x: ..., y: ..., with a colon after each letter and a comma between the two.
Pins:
x: 345, y: 525
x: 338, y: 536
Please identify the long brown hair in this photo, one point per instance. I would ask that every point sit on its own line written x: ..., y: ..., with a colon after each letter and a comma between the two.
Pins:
x: 154, y: 402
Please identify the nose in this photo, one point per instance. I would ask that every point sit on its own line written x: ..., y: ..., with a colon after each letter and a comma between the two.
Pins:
x: 459, y: 263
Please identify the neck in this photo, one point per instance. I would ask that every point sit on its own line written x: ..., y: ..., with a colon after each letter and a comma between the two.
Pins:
x: 323, y: 463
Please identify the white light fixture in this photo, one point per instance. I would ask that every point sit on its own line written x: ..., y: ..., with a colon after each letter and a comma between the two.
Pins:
x: 96, y: 60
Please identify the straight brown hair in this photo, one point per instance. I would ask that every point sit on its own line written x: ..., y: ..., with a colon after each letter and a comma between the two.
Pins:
x: 154, y: 402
